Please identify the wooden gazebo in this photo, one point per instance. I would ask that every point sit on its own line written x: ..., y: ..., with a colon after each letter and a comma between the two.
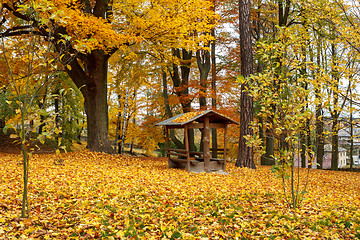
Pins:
x: 191, y: 160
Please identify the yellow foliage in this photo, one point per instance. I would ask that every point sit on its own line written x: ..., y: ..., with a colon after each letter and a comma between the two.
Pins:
x: 187, y: 116
x: 95, y: 195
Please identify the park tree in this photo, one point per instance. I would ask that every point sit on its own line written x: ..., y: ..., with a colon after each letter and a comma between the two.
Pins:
x: 245, y: 155
x: 92, y: 31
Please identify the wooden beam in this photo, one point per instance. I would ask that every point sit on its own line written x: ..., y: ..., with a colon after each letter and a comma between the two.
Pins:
x: 177, y: 154
x: 176, y: 126
x: 195, y: 125
x: 217, y: 125
x: 206, y: 144
x: 176, y: 150
x: 167, y: 140
x: 186, y: 141
x: 201, y: 125
x: 225, y: 145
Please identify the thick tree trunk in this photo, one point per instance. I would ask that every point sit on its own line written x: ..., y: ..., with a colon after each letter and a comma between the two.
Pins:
x: 213, y: 89
x: 168, y: 111
x: 203, y: 62
x: 269, y: 149
x: 245, y: 155
x: 92, y: 82
x: 181, y: 85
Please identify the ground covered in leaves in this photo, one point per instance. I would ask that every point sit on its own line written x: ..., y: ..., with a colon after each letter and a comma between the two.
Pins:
x: 97, y: 195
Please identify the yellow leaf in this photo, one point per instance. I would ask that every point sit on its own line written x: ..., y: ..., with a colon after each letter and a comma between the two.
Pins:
x: 14, y: 136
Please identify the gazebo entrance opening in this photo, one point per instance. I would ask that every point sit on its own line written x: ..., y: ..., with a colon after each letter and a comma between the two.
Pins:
x: 197, y: 161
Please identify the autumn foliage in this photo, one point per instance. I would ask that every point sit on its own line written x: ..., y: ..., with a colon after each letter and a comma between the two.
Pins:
x: 91, y: 195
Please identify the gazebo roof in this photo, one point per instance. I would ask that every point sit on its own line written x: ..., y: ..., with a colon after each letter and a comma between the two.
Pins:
x: 189, y: 117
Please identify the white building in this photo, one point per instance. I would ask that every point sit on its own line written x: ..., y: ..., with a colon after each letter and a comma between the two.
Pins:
x: 342, y: 155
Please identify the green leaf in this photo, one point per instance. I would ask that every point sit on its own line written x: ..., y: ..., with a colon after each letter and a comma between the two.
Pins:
x: 175, y: 235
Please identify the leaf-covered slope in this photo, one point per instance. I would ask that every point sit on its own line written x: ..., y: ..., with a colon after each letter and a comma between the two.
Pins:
x: 98, y: 195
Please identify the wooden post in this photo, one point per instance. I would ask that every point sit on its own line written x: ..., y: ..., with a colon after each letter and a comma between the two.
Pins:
x: 167, y: 141
x: 206, y: 144
x: 225, y: 145
x: 186, y: 135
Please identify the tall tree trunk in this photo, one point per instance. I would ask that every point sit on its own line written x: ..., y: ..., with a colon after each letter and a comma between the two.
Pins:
x: 124, y: 122
x: 269, y: 148
x: 320, y: 140
x: 351, y: 133
x: 335, y: 144
x: 203, y: 62
x: 42, y: 118
x: 92, y: 82
x: 213, y: 92
x: 245, y: 155
x: 168, y: 111
x: 334, y: 112
x: 303, y: 149
x: 118, y: 128
x: 181, y: 85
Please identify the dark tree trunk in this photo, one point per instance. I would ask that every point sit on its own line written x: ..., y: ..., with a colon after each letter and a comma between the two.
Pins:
x: 57, y: 112
x: 303, y: 149
x: 181, y: 85
x: 320, y: 141
x: 203, y: 62
x: 320, y: 138
x: 245, y: 155
x: 92, y: 82
x: 118, y: 129
x: 335, y: 145
x: 309, y: 142
x: 334, y: 112
x: 351, y: 132
x: 168, y: 111
x: 213, y: 90
x: 2, y: 123
x: 42, y: 118
x: 269, y: 148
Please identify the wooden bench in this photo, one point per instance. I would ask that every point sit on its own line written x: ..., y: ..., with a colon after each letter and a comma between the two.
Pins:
x: 218, y: 160
x: 211, y: 159
x: 179, y: 160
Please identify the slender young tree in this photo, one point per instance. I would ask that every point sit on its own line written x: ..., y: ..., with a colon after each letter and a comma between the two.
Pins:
x: 245, y: 156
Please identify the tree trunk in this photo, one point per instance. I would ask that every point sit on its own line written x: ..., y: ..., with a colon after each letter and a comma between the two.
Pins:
x: 124, y: 122
x: 181, y: 85
x: 269, y: 148
x: 320, y: 141
x: 203, y: 62
x: 334, y: 112
x: 303, y: 148
x: 118, y: 128
x: 351, y: 132
x: 92, y: 82
x: 245, y: 155
x: 2, y: 123
x: 168, y: 111
x: 335, y: 145
x: 213, y: 90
